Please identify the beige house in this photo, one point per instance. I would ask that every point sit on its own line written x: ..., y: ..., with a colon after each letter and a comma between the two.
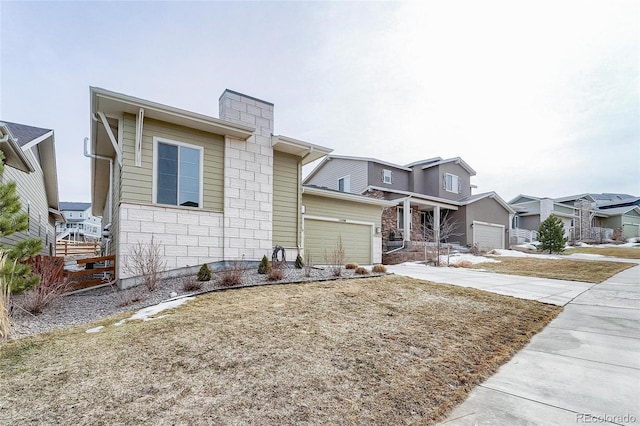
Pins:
x: 30, y: 161
x: 206, y: 189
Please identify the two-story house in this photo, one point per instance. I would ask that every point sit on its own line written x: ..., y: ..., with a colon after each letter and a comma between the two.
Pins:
x: 425, y: 192
x: 80, y: 224
x: 585, y: 217
x: 30, y: 161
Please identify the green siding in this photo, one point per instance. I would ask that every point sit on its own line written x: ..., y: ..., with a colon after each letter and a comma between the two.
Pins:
x: 137, y: 182
x: 286, y: 199
x: 340, y: 209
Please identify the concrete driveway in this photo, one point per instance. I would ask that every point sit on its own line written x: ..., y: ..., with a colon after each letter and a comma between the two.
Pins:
x: 584, y: 367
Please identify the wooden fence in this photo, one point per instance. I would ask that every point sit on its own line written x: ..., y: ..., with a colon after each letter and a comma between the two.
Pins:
x: 96, y: 271
x: 68, y: 248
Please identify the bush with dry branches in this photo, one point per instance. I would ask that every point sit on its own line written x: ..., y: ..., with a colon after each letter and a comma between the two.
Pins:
x: 335, y: 259
x: 52, y: 286
x: 308, y: 264
x: 231, y: 275
x: 146, y: 261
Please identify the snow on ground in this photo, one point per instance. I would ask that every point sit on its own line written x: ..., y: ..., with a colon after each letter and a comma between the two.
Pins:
x: 456, y: 258
x: 631, y: 243
x: 147, y: 314
x: 516, y: 253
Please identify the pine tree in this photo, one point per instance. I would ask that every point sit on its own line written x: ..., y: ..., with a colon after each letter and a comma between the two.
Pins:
x: 551, y: 234
x: 17, y: 276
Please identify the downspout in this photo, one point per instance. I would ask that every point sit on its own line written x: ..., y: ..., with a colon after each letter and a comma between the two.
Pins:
x: 403, y: 239
x: 110, y: 160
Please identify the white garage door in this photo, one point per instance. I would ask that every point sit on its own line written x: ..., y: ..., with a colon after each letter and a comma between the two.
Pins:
x: 321, y: 236
x: 488, y: 236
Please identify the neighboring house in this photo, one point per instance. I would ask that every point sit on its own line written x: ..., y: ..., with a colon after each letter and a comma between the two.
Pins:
x: 80, y: 224
x: 205, y: 189
x: 423, y: 192
x: 592, y: 217
x: 30, y: 161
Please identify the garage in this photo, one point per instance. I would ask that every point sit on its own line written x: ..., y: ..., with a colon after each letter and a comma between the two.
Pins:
x: 328, y: 215
x: 322, y: 235
x: 488, y: 236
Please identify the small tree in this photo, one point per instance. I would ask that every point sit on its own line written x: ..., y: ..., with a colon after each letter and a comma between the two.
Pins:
x: 445, y: 231
x: 299, y: 262
x: 264, y: 267
x: 204, y: 274
x: 146, y: 261
x: 551, y: 234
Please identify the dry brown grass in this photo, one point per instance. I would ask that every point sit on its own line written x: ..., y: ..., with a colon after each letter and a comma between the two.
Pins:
x: 589, y: 271
x: 622, y: 252
x: 385, y: 350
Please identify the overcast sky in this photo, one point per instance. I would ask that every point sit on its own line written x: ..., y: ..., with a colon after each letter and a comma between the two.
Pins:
x: 539, y: 97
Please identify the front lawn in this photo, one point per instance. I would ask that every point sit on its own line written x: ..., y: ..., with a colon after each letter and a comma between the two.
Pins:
x: 622, y: 252
x: 590, y: 271
x: 386, y: 350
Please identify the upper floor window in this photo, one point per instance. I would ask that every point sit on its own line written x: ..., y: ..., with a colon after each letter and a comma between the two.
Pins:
x: 344, y: 184
x: 386, y: 176
x: 81, y: 214
x: 178, y: 173
x: 451, y: 183
x: 70, y: 214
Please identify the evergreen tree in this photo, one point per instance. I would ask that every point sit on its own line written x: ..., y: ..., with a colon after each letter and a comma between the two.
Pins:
x: 551, y: 234
x: 17, y: 276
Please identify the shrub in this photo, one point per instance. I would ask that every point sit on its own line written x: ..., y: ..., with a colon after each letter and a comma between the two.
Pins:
x: 192, y: 284
x: 351, y: 266
x: 204, y: 274
x: 129, y: 299
x: 379, y: 269
x: 475, y: 250
x: 335, y: 259
x: 308, y: 264
x: 275, y: 274
x: 52, y: 286
x: 265, y: 265
x: 145, y: 260
x: 298, y: 263
x: 231, y: 276
x: 551, y: 234
x: 362, y: 271
x: 462, y: 264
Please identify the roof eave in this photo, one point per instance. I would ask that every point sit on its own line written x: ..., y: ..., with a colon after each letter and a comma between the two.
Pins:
x: 347, y: 196
x: 309, y: 152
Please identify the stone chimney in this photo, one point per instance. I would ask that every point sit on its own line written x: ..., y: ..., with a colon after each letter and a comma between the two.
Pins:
x: 248, y: 178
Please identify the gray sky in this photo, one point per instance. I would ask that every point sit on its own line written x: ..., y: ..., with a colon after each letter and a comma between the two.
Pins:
x: 539, y: 97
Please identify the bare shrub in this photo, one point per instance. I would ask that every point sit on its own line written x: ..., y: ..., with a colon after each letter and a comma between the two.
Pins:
x: 308, y: 264
x: 351, y: 266
x: 192, y: 284
x: 379, y: 269
x: 52, y: 285
x: 462, y: 264
x: 437, y: 234
x: 231, y: 275
x: 275, y: 274
x: 475, y: 250
x: 126, y: 299
x: 146, y: 261
x: 360, y: 270
x: 335, y: 259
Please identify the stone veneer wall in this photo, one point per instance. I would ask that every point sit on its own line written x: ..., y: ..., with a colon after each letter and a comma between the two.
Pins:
x: 186, y: 237
x: 248, y: 179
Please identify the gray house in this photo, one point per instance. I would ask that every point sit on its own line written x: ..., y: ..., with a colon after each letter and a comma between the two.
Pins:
x: 424, y: 192
x: 30, y: 161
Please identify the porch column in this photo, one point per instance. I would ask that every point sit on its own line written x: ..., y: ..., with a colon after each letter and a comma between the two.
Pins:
x: 406, y: 217
x: 436, y: 223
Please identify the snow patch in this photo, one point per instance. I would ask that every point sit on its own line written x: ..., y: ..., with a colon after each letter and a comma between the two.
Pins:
x: 146, y: 313
x: 455, y: 259
x: 516, y: 253
x: 95, y: 329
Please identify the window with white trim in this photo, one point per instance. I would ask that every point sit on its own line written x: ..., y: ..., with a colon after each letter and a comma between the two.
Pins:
x: 400, y: 218
x: 452, y: 183
x: 344, y: 184
x: 386, y: 176
x: 178, y: 173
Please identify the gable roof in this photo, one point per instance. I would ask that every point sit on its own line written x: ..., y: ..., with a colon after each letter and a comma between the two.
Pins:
x: 330, y: 157
x: 456, y: 160
x: 17, y: 139
x: 522, y: 198
x: 73, y: 206
x: 492, y: 195
x: 426, y: 161
x: 618, y: 211
x: 347, y: 196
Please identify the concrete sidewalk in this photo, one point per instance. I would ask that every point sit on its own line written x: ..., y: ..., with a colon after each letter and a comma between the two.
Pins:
x: 584, y: 367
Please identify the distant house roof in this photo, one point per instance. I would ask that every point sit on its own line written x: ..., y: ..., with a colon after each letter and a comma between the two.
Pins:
x: 332, y: 193
x: 456, y: 160
x: 477, y: 197
x: 631, y: 201
x: 73, y: 206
